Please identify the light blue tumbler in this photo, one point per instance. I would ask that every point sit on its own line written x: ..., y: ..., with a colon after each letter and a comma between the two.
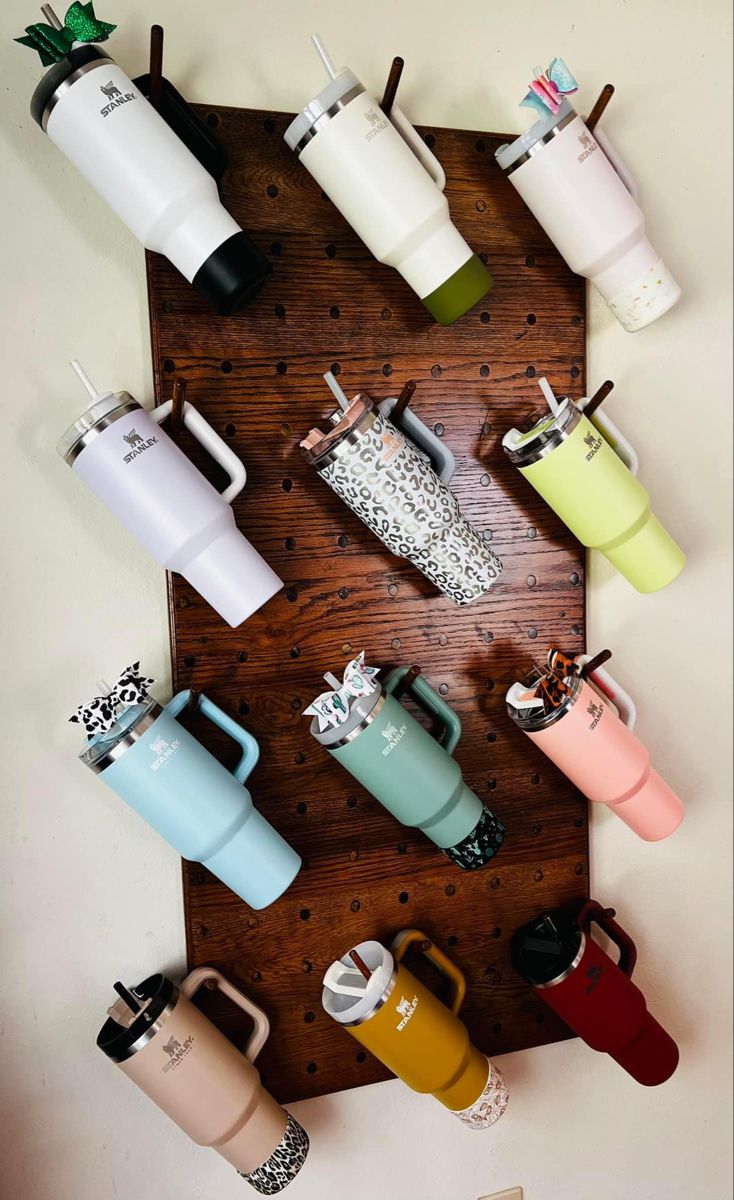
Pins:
x: 195, y: 803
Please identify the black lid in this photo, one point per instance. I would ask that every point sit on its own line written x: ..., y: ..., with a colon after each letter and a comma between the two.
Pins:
x: 232, y: 275
x: 56, y: 75
x: 545, y: 948
x: 115, y: 1040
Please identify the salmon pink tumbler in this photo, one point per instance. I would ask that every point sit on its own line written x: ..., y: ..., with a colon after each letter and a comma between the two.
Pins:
x: 590, y: 992
x: 584, y: 725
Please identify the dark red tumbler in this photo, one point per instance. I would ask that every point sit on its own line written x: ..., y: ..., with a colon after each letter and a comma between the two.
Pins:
x: 594, y: 995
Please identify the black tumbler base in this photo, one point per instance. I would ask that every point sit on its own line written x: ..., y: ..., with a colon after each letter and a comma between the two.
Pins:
x: 232, y: 275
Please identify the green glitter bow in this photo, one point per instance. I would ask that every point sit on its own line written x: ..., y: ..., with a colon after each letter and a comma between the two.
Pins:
x: 80, y: 25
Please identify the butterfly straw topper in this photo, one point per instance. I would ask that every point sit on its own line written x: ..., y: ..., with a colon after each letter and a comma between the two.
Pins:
x: 548, y: 88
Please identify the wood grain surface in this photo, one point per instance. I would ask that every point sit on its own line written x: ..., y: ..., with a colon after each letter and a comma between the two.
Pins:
x: 257, y: 378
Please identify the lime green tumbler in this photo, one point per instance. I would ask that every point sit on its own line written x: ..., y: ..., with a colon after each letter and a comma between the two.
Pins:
x: 576, y: 471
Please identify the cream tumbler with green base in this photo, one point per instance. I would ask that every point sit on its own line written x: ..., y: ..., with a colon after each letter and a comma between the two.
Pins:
x: 572, y: 465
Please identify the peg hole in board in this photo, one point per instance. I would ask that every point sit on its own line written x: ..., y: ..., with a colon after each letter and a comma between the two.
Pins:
x: 244, y: 708
x: 302, y: 807
x: 485, y: 317
x: 531, y: 318
x: 290, y: 543
x: 484, y: 370
x: 492, y: 784
x: 189, y: 661
x: 309, y: 1017
x: 226, y: 367
x: 281, y: 367
x: 538, y: 876
x: 269, y: 125
x: 287, y: 485
x: 530, y: 372
x: 242, y: 656
x: 279, y: 311
x: 402, y: 848
x: 404, y: 897
x: 335, y: 312
x: 272, y: 191
x: 312, y: 1068
x: 330, y: 250
x: 212, y: 120
x: 336, y: 368
x: 355, y: 906
x: 360, y: 1056
x: 351, y: 801
x: 305, y: 914
x: 299, y: 759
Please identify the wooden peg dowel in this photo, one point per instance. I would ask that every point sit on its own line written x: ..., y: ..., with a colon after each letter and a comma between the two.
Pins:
x: 360, y: 964
x: 597, y: 661
x: 155, y: 87
x: 406, y: 682
x: 598, y: 398
x: 404, y: 400
x: 179, y: 397
x: 391, y: 86
x: 192, y: 703
x: 597, y: 111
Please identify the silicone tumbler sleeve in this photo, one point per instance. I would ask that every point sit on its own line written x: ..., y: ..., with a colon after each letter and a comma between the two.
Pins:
x: 430, y: 702
x: 250, y: 748
x: 261, y: 1031
x: 409, y: 937
x: 211, y: 441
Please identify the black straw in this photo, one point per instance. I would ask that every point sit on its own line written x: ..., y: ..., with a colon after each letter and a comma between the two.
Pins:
x: 126, y: 995
x: 391, y: 87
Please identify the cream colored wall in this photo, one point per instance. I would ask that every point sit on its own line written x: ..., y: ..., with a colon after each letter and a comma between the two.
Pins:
x: 89, y: 894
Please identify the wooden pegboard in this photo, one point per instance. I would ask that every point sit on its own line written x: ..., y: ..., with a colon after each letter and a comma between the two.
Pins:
x: 257, y: 379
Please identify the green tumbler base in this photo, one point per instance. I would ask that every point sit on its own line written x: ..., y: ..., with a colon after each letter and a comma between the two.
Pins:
x: 649, y: 559
x: 460, y: 292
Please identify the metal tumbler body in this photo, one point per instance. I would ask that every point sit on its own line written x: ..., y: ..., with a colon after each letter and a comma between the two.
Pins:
x: 591, y: 215
x: 601, y: 755
x: 395, y: 491
x: 201, y: 809
x: 413, y: 775
x: 134, y: 467
x: 104, y: 125
x: 194, y: 1074
x: 389, y: 187
x: 594, y: 995
x: 576, y: 471
x: 417, y: 1037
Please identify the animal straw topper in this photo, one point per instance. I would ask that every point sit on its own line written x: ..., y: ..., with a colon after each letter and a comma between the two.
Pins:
x: 554, y: 686
x: 332, y: 708
x: 547, y: 88
x: 80, y: 25
x: 100, y: 713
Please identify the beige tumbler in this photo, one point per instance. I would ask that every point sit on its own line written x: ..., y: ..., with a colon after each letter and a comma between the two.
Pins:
x: 161, y: 1041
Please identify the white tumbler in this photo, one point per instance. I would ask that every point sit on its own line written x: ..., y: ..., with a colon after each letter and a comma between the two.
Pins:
x: 586, y: 204
x: 119, y: 450
x: 105, y: 126
x: 389, y: 186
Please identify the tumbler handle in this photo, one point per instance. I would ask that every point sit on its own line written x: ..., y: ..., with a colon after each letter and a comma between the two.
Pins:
x: 413, y: 139
x: 604, y: 918
x: 431, y: 703
x: 212, y: 442
x: 250, y: 748
x: 608, y: 686
x: 259, y: 1035
x: 408, y: 937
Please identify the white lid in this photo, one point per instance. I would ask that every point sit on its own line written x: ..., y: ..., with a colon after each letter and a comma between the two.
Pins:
x: 509, y: 153
x: 350, y: 1009
x: 334, y: 91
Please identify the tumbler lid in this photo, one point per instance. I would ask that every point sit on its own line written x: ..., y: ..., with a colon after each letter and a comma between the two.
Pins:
x: 527, y: 710
x: 512, y: 155
x: 348, y: 1009
x: 525, y: 448
x: 61, y: 76
x: 103, y: 413
x: 362, y: 713
x: 547, y: 949
x: 126, y: 1032
x: 108, y: 747
x: 321, y: 449
x: 324, y: 107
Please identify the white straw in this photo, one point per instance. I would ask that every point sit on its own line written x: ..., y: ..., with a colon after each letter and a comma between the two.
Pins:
x: 51, y: 17
x: 549, y: 394
x: 336, y: 391
x: 85, y: 378
x: 324, y: 55
x: 332, y: 681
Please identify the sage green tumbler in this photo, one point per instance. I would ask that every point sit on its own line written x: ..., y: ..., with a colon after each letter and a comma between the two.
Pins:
x: 413, y: 774
x: 576, y: 471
